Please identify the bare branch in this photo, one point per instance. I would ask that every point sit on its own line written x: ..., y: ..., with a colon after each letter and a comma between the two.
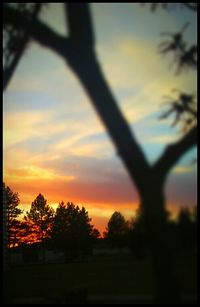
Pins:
x: 191, y: 6
x: 37, y: 30
x: 90, y: 75
x: 17, y: 45
x: 174, y: 152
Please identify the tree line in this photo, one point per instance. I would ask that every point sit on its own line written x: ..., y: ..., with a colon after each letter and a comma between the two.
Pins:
x: 69, y: 229
x: 182, y: 232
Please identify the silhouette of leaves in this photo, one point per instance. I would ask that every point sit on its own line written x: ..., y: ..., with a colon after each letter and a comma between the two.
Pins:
x: 184, y: 107
x: 176, y: 43
x: 185, y: 57
x: 168, y: 6
x: 15, y: 40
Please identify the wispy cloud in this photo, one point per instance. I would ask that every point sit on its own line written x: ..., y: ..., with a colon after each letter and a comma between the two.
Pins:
x: 32, y: 173
x: 140, y: 71
x: 182, y: 169
x: 163, y: 139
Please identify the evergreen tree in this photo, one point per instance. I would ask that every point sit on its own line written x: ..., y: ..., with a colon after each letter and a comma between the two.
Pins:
x: 186, y: 229
x: 116, y: 229
x: 72, y: 231
x: 11, y: 213
x: 41, y: 218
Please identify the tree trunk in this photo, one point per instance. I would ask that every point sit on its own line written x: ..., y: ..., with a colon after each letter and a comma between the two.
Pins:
x: 149, y: 182
x: 43, y: 249
x: 166, y: 283
x: 92, y: 79
x: 43, y: 252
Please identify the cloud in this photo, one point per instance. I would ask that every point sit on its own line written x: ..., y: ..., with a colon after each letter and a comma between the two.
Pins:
x: 82, y: 180
x: 90, y: 150
x: 181, y: 169
x: 32, y: 173
x: 18, y: 126
x: 141, y: 77
x: 25, y: 128
x: 163, y: 139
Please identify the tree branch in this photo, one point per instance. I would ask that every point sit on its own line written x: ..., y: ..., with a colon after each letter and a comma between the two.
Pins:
x: 8, y: 71
x: 191, y: 6
x: 80, y: 23
x: 36, y: 29
x: 174, y: 152
x: 82, y: 60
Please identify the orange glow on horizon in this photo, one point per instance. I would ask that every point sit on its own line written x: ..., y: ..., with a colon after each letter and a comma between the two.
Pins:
x: 97, y: 199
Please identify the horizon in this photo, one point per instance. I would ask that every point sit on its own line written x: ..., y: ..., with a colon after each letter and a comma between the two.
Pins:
x: 102, y: 227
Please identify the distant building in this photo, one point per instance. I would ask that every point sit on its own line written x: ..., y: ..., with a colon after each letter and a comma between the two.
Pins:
x: 103, y: 248
x: 33, y: 254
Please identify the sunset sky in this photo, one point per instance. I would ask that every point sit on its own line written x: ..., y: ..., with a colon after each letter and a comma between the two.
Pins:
x: 55, y: 144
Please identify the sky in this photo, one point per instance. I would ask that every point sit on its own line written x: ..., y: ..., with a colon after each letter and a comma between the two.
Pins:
x: 54, y: 142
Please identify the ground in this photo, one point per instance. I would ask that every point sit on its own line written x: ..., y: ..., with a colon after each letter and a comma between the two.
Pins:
x: 109, y: 278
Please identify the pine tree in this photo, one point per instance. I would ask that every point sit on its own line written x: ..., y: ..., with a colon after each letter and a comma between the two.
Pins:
x: 72, y: 230
x: 11, y: 213
x: 116, y: 230
x: 41, y: 216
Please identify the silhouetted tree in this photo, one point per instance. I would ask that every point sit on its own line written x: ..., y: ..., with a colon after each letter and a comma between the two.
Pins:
x: 186, y: 229
x: 72, y: 231
x: 194, y: 219
x: 148, y: 179
x: 95, y: 234
x: 138, y: 235
x: 116, y: 230
x: 28, y: 232
x: 12, y: 212
x: 40, y: 217
x: 140, y: 241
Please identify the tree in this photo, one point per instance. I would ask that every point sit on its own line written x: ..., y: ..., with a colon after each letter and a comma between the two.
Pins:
x: 40, y: 217
x: 148, y: 179
x: 95, y: 235
x: 72, y: 231
x: 12, y: 212
x: 186, y: 229
x: 116, y: 230
x: 138, y: 234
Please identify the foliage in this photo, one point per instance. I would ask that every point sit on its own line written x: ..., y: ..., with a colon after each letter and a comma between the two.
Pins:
x: 182, y: 232
x: 40, y: 216
x: 116, y: 230
x: 12, y: 212
x: 168, y: 6
x: 72, y: 231
x: 184, y: 105
x: 187, y: 229
x: 138, y: 234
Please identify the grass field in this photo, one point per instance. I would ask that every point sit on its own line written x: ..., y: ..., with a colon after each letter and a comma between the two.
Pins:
x: 101, y: 277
